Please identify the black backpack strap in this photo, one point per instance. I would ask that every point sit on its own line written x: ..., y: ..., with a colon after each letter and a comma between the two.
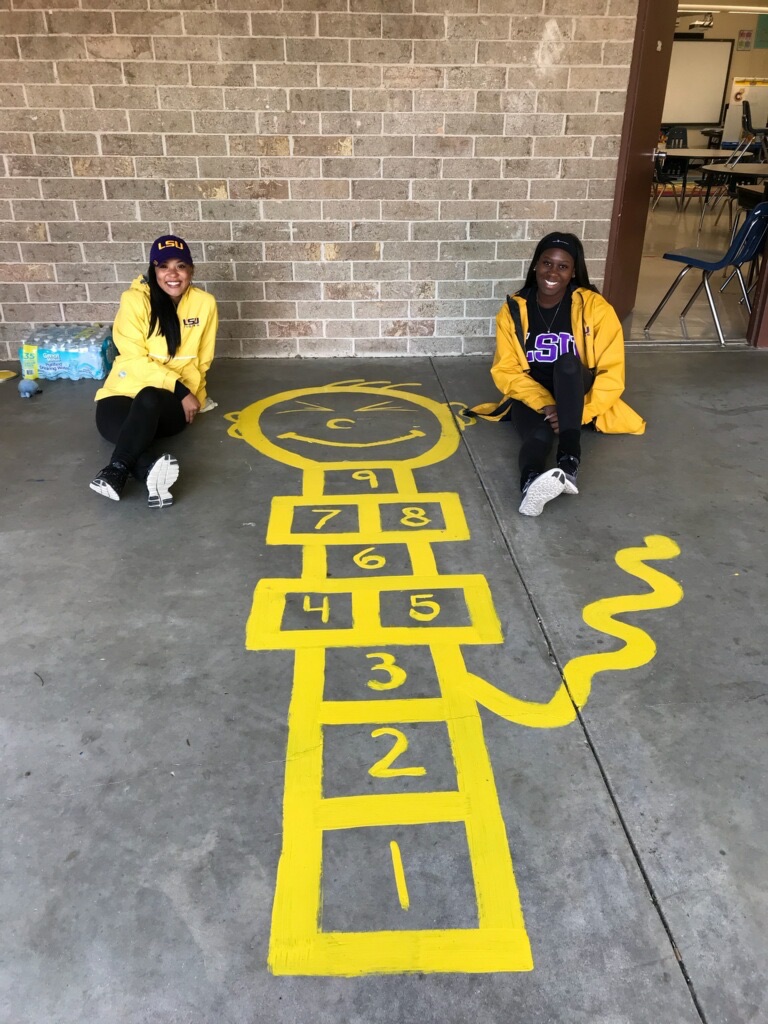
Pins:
x: 514, y: 312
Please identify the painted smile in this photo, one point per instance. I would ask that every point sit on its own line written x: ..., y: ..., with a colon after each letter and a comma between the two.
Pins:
x: 291, y: 436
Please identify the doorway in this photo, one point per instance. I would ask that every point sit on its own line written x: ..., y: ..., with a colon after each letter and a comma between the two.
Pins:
x: 637, y: 275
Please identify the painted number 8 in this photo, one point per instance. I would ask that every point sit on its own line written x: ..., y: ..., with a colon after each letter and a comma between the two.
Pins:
x: 414, y: 517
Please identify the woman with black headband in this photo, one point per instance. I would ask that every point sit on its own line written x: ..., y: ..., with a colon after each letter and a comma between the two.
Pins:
x: 560, y: 364
x: 165, y: 334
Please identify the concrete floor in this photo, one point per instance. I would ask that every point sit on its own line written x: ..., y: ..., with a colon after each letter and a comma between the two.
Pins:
x: 146, y: 752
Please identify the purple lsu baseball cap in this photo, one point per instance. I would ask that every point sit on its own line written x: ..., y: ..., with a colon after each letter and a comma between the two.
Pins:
x: 169, y: 247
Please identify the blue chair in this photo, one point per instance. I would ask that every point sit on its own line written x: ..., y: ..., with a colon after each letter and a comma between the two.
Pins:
x: 745, y: 247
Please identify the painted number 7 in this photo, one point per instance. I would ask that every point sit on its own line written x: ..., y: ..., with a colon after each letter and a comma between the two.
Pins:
x: 330, y: 513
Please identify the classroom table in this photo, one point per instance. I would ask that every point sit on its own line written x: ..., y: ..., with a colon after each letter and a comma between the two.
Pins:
x: 685, y: 154
x: 737, y: 173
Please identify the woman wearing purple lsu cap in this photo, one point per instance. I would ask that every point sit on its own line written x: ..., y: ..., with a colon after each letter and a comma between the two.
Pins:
x: 165, y: 333
x: 560, y: 364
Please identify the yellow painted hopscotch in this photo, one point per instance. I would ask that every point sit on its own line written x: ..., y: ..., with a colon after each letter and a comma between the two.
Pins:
x: 379, y: 616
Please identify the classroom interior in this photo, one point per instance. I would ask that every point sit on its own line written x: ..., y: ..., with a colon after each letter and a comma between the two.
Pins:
x: 674, y: 223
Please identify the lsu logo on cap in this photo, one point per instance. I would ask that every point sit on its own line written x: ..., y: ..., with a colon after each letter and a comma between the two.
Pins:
x: 171, y: 243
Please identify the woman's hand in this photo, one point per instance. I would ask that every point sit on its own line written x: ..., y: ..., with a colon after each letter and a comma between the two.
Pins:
x: 549, y: 412
x: 191, y: 406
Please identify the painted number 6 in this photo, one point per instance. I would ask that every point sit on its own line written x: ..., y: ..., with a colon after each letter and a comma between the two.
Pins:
x: 368, y: 561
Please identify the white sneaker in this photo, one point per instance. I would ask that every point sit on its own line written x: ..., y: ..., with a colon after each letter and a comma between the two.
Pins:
x: 162, y: 475
x: 540, y: 490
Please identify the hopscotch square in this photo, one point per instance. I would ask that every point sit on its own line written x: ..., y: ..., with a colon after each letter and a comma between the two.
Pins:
x: 324, y: 517
x: 359, y: 481
x: 425, y: 607
x: 352, y: 752
x: 316, y: 610
x: 360, y: 892
x: 397, y: 673
x: 411, y: 516
x: 341, y: 560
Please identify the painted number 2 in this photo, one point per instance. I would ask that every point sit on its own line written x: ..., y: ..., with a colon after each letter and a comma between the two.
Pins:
x: 382, y: 769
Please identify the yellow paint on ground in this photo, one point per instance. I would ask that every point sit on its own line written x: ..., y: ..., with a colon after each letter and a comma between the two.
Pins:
x: 377, y: 610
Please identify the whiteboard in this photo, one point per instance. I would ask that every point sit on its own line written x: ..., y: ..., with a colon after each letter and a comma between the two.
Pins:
x: 698, y: 81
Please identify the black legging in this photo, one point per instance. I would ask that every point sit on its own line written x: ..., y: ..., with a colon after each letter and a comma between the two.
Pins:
x: 571, y: 382
x: 132, y: 424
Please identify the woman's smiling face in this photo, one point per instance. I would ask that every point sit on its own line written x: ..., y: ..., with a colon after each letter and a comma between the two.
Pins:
x: 174, y: 277
x: 555, y: 269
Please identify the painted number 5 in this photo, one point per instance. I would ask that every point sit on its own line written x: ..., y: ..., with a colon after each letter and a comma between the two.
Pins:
x: 382, y: 770
x: 422, y: 608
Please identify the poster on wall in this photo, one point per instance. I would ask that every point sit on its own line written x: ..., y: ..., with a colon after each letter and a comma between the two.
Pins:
x: 761, y: 34
x: 744, y: 42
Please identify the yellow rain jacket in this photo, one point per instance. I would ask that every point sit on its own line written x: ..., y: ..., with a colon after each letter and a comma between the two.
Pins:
x: 600, y: 344
x: 144, y: 361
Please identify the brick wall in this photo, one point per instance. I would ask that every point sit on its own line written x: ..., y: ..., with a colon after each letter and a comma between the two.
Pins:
x: 354, y: 176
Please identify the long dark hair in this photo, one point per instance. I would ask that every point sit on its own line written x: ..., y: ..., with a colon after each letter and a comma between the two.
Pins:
x: 163, y: 318
x: 581, y: 275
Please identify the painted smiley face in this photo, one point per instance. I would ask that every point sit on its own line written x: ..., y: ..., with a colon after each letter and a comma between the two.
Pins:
x: 348, y: 424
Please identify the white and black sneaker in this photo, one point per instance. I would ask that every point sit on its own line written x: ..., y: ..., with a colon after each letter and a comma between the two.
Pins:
x: 570, y: 466
x: 109, y: 483
x: 161, y: 476
x: 540, y: 490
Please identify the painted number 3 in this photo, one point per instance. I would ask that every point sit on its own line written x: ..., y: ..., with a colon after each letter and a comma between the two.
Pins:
x: 387, y: 663
x: 382, y: 769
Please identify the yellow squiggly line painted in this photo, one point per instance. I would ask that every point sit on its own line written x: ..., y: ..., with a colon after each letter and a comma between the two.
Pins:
x: 578, y: 674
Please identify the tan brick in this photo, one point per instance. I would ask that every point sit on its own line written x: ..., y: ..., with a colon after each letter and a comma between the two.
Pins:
x: 172, y: 98
x: 378, y: 271
x: 125, y: 97
x: 293, y: 290
x: 352, y: 328
x: 25, y: 231
x: 263, y: 188
x: 119, y: 47
x: 451, y: 100
x: 438, y: 145
x: 448, y: 189
x: 373, y: 189
x: 471, y: 210
x: 294, y: 328
x: 504, y: 146
x: 322, y: 145
x: 319, y: 99
x: 382, y: 99
x: 256, y: 50
x: 26, y: 71
x: 383, y: 145
x: 9, y: 48
x: 95, y: 120
x: 556, y: 146
x: 617, y: 53
x: 274, y: 167
x: 325, y: 347
x: 493, y: 79
x: 167, y: 167
x: 72, y: 188
x: 259, y: 145
x: 290, y: 124
x: 72, y: 231
x: 531, y: 169
x: 29, y: 120
x: 197, y: 23
x: 136, y: 189
x: 161, y: 121
x: 256, y: 99
x: 350, y: 26
x: 381, y: 347
x: 594, y: 124
x: 337, y: 188
x: 563, y: 189
x: 357, y: 210
x: 605, y: 28
x: 131, y: 145
x: 178, y: 209
x: 13, y: 293
x: 51, y: 48
x: 379, y: 231
x: 268, y: 310
x: 26, y: 272
x: 45, y: 210
x: 155, y: 73
x: 17, y: 143
x: 38, y: 166
x: 381, y: 6
x: 380, y: 51
x: 195, y: 145
x: 57, y: 292
x: 356, y: 124
x: 451, y: 51
x: 575, y: 168
x: 502, y: 7
x: 343, y: 167
x: 400, y: 26
x: 440, y: 230
x: 22, y: 23
x: 224, y: 123
x: 194, y: 48
x: 197, y: 231
x: 94, y: 272
x: 135, y: 231
x: 222, y: 74
x: 348, y: 76
x: 19, y: 188
x: 35, y: 312
x: 78, y: 23
x: 153, y: 23
x: 505, y: 189
x: 296, y: 251
x: 103, y: 167
x: 59, y: 96
x: 89, y: 72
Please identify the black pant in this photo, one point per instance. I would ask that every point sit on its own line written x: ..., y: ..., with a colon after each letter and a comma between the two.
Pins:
x: 571, y: 382
x: 132, y: 424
